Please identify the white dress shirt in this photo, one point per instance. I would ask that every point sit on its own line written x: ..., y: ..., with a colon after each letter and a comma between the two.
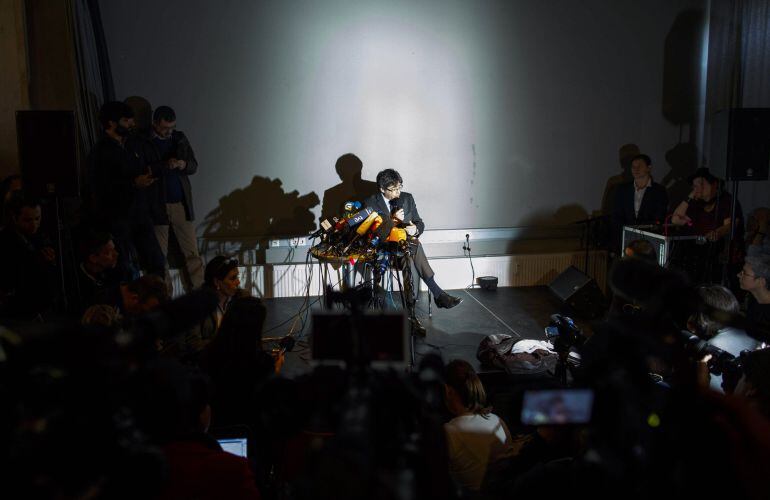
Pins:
x: 639, y: 194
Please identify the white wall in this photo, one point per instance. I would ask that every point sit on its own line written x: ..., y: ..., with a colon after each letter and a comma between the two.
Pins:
x: 497, y: 113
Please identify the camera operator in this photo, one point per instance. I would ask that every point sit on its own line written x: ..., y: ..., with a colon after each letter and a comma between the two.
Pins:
x: 707, y: 324
x: 754, y: 384
x: 644, y: 437
x: 662, y: 440
x: 647, y: 302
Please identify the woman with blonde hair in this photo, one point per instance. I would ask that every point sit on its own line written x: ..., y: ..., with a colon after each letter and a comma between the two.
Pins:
x: 476, y: 437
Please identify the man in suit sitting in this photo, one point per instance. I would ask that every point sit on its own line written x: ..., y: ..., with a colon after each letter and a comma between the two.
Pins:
x: 403, y: 210
x: 639, y: 202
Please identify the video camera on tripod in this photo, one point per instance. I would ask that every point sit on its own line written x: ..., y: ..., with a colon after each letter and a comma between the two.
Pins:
x: 563, y: 333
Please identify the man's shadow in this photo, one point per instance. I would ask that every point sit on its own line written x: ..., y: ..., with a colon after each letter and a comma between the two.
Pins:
x: 626, y: 155
x: 679, y: 105
x: 250, y: 216
x: 682, y: 159
x: 142, y: 113
x: 352, y: 187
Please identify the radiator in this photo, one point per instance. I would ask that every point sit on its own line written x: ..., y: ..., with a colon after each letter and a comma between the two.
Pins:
x: 290, y: 280
x: 519, y: 270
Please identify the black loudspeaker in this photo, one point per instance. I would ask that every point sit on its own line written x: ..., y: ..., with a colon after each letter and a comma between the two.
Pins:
x: 740, y: 144
x: 580, y: 292
x: 47, y: 153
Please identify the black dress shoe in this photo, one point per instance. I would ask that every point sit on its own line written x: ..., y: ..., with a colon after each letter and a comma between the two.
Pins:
x: 446, y: 301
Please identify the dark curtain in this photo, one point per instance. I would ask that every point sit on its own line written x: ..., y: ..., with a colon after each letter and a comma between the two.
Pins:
x: 94, y: 77
x: 739, y: 55
x: 739, y: 71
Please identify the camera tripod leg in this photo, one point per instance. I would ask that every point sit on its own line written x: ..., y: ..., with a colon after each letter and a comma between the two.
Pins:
x: 412, y: 360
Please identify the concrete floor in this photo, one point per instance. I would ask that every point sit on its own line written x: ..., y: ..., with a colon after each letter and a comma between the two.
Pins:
x: 453, y: 333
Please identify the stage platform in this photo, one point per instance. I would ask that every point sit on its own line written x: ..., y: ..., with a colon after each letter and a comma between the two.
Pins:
x: 453, y: 333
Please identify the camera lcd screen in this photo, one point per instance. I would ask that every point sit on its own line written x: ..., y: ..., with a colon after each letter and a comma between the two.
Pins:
x: 557, y: 407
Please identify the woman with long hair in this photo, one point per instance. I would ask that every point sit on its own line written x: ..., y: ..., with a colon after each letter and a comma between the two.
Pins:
x: 476, y: 437
x: 221, y: 275
x: 236, y: 362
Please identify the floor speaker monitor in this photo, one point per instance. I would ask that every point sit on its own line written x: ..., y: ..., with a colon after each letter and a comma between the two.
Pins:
x: 740, y: 144
x: 580, y: 292
x: 47, y: 153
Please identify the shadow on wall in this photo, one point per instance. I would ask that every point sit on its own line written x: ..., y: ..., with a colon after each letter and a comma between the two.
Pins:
x: 681, y: 69
x: 626, y: 154
x: 562, y: 216
x: 248, y: 217
x: 142, y: 112
x: 352, y: 187
x: 680, y: 100
x: 682, y: 159
x: 571, y: 223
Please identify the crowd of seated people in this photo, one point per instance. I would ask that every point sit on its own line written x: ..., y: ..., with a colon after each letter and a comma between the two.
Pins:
x: 27, y: 261
x: 124, y: 392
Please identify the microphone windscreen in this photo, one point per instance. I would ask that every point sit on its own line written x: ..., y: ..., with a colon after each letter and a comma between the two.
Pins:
x: 384, y: 229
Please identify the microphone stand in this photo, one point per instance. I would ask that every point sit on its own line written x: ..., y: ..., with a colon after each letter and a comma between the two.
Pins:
x: 587, y: 225
x: 731, y: 236
x: 467, y: 248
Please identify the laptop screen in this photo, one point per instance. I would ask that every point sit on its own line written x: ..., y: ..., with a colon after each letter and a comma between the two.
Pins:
x: 236, y: 446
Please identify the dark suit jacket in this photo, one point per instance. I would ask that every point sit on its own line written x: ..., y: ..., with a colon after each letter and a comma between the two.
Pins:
x: 111, y: 169
x: 145, y: 148
x: 653, y: 208
x: 377, y: 202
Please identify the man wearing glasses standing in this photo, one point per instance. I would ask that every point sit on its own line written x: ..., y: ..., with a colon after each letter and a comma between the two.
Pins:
x: 403, y: 210
x: 755, y: 279
x: 172, y: 161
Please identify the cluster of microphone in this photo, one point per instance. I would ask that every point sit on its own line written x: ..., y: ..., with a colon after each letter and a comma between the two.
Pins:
x: 359, y: 231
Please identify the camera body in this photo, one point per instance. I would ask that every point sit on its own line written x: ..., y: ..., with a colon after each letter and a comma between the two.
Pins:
x: 721, y: 362
x: 563, y: 333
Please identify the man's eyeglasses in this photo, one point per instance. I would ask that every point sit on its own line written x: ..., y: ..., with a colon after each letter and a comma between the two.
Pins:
x: 395, y: 188
x: 744, y: 273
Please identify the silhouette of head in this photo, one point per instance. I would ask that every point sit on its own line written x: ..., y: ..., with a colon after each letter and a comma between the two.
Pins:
x: 626, y: 155
x: 349, y: 167
x: 142, y: 111
x: 682, y: 158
